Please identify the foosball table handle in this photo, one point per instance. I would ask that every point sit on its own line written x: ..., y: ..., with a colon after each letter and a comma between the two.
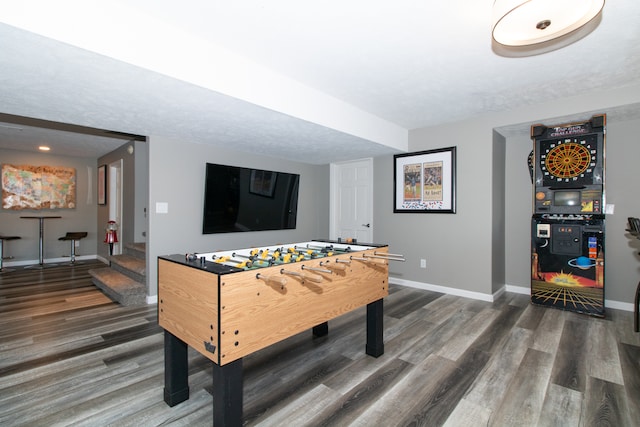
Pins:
x: 273, y: 280
x: 384, y: 255
x: 320, y: 270
x: 334, y: 266
x: 307, y: 276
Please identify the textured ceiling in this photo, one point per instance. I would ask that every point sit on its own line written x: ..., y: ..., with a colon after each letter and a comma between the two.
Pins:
x: 404, y: 64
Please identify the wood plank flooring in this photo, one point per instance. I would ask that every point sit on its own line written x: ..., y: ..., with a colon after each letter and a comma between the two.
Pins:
x: 70, y: 356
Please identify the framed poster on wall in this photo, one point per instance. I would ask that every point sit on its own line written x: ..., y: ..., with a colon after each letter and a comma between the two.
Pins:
x: 425, y: 181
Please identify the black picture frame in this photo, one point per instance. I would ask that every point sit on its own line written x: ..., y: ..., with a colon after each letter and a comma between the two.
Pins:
x: 102, y: 185
x: 425, y: 181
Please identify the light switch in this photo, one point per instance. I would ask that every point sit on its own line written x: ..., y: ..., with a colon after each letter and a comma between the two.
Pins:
x: 162, y: 207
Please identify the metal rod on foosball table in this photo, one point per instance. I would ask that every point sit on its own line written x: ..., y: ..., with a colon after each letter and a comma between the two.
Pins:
x: 309, y: 250
x: 334, y: 266
x: 309, y: 276
x: 254, y: 259
x: 321, y: 270
x: 364, y: 258
x: 268, y: 254
x: 331, y: 248
x: 328, y: 248
x: 232, y: 262
x: 321, y: 248
x: 286, y: 258
x: 390, y: 257
x: 307, y: 253
x: 251, y: 257
x: 298, y: 256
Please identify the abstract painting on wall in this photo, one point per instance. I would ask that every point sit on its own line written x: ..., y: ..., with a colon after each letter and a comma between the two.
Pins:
x: 38, y: 187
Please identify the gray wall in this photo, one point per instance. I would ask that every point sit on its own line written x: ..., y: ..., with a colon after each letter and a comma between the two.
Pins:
x: 481, y: 246
x: 457, y: 247
x: 127, y: 230
x: 622, y: 264
x: 82, y: 218
x: 141, y: 199
x: 177, y: 174
x: 498, y: 207
x: 519, y: 208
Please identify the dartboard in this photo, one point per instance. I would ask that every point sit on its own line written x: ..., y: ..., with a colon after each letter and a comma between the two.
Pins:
x: 568, y: 160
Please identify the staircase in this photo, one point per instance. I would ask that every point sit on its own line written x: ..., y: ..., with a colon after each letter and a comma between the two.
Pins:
x: 124, y: 281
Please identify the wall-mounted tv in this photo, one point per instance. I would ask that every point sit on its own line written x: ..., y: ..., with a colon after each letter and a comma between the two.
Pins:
x: 242, y: 199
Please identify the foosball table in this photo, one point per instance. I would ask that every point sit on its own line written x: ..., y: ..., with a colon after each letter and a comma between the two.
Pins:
x: 229, y: 304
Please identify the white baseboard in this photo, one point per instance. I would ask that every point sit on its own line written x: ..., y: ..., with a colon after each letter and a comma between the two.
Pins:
x: 103, y: 259
x: 60, y: 260
x: 617, y: 305
x: 442, y: 289
x: 518, y: 289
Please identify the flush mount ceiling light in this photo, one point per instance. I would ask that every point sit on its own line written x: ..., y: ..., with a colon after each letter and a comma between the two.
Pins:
x: 532, y: 27
x: 44, y: 148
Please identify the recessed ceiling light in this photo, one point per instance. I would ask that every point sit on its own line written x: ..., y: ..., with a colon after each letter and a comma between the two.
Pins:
x: 44, y: 148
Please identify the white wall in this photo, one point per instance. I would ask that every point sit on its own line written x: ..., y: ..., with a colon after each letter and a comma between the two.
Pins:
x: 176, y: 177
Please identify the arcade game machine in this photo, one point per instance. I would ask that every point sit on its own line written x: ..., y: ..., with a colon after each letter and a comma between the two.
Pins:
x: 568, y: 224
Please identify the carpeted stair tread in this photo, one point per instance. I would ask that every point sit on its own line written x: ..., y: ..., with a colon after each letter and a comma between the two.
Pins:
x: 119, y: 287
x: 137, y: 250
x: 131, y: 263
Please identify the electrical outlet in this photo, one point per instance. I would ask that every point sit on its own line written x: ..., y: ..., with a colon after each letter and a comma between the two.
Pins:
x: 77, y: 243
x: 423, y: 263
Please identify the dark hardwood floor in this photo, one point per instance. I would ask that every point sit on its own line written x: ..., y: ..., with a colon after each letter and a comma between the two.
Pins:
x: 69, y: 356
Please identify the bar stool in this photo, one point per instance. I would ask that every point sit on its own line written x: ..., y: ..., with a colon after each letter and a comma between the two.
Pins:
x: 2, y: 239
x: 73, y: 236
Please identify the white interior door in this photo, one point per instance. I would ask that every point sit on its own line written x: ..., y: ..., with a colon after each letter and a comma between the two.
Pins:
x: 352, y: 200
x: 115, y: 200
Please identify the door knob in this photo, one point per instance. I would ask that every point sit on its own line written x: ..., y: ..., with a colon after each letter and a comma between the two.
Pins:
x: 366, y: 225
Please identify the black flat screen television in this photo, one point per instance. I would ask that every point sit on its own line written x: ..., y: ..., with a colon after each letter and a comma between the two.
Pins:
x: 241, y: 199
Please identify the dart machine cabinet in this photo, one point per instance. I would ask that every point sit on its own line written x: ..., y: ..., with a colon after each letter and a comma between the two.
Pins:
x: 568, y: 223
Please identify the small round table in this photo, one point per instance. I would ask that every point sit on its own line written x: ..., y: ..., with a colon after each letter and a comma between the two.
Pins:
x: 41, y: 218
